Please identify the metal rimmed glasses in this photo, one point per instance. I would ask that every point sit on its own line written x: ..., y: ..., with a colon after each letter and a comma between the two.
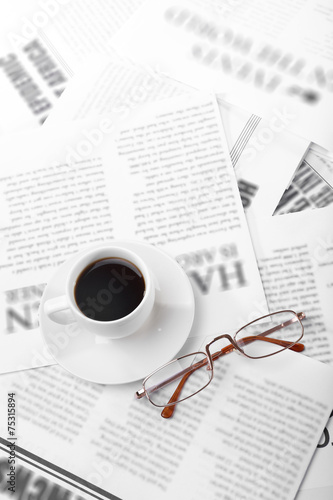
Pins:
x: 184, y: 377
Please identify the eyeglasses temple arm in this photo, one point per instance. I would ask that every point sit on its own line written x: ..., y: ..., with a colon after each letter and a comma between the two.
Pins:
x: 140, y: 394
x: 168, y: 411
x: 297, y: 347
x: 299, y: 317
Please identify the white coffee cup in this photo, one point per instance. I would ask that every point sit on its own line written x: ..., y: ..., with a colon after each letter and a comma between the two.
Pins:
x: 64, y: 309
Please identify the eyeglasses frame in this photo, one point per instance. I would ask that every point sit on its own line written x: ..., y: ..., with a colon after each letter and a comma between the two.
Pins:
x: 235, y: 347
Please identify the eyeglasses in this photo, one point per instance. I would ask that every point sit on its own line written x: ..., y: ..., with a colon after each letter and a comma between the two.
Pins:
x: 184, y: 377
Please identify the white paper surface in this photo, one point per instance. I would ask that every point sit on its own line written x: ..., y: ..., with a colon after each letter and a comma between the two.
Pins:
x: 242, y: 51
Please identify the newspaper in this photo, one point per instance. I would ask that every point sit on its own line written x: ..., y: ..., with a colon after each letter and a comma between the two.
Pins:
x: 241, y: 50
x: 31, y: 81
x: 318, y: 479
x: 264, y: 154
x: 33, y: 473
x: 112, y: 86
x: 253, y: 429
x: 322, y: 164
x: 308, y: 189
x: 41, y: 47
x: 295, y: 259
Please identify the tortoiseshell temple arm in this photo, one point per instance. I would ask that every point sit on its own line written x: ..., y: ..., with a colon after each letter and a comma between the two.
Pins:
x: 168, y: 411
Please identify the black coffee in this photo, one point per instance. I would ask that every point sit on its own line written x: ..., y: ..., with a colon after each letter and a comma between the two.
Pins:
x: 109, y: 289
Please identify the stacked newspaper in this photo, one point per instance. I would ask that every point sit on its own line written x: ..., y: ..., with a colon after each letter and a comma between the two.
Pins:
x: 204, y: 129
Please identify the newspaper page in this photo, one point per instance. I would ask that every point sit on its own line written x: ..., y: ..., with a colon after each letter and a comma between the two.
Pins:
x: 40, y: 47
x: 322, y: 164
x: 24, y: 475
x: 295, y: 259
x: 31, y: 80
x: 253, y: 429
x: 107, y: 85
x: 318, y: 482
x: 264, y: 154
x: 155, y: 196
x: 241, y: 51
x: 322, y: 152
x: 308, y: 190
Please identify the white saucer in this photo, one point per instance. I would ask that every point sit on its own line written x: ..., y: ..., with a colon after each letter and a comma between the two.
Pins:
x: 134, y: 357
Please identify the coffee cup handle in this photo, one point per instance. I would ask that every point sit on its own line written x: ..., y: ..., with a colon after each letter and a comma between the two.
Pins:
x: 54, y: 307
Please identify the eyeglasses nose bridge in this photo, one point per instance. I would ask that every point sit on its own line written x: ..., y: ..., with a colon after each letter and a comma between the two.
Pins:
x: 224, y: 336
